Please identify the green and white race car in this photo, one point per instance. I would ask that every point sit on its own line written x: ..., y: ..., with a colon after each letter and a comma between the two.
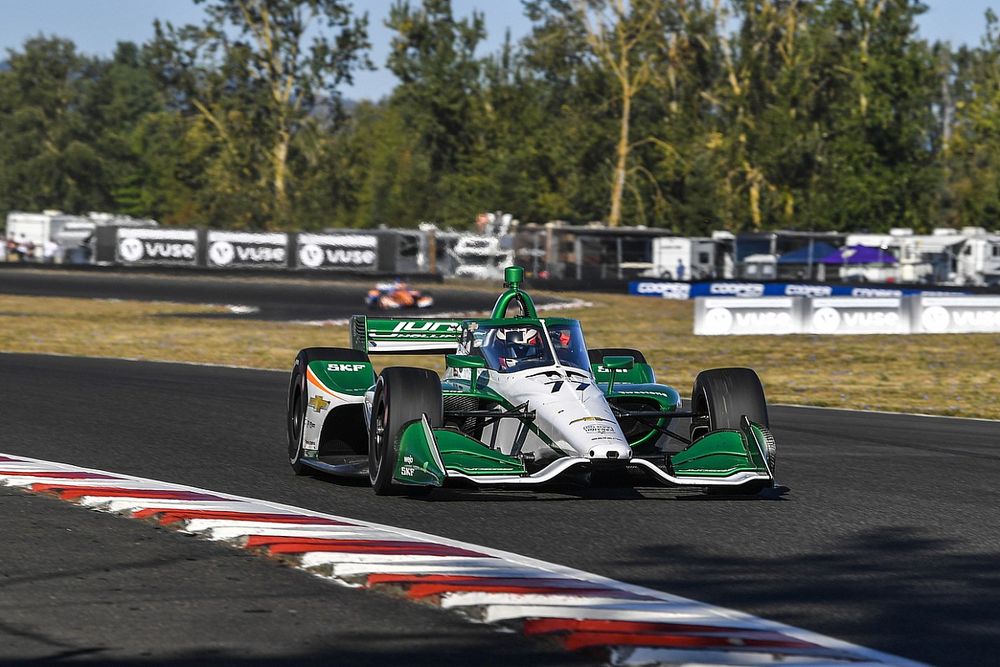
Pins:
x: 523, y: 401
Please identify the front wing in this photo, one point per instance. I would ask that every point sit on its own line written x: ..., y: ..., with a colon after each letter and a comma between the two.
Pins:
x: 432, y: 456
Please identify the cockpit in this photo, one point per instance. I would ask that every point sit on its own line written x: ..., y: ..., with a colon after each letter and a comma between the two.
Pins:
x: 508, y: 348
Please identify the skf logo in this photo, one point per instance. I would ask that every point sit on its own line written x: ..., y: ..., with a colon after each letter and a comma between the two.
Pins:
x: 349, y: 368
x: 318, y: 403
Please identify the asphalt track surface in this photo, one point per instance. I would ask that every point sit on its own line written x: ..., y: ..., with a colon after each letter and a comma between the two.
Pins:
x: 276, y: 298
x: 889, y: 537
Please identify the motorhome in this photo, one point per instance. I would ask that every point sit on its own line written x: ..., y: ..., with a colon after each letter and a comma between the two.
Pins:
x: 978, y: 262
x: 922, y: 258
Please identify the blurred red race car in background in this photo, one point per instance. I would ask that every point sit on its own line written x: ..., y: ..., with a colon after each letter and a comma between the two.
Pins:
x: 396, y: 295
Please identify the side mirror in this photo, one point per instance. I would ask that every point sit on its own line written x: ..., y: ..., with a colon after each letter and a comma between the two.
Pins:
x: 615, y: 364
x: 471, y: 361
x: 618, y: 363
x: 464, y: 361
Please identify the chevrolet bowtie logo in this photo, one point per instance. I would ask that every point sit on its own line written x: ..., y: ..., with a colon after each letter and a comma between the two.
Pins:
x: 318, y: 403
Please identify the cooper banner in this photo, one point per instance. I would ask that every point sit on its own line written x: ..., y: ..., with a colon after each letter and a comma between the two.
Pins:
x: 693, y: 290
x: 677, y: 291
x: 338, y: 251
x: 244, y: 249
x: 156, y: 246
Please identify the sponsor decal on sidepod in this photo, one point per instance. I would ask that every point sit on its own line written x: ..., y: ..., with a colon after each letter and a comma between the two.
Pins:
x: 318, y: 403
x: 352, y: 368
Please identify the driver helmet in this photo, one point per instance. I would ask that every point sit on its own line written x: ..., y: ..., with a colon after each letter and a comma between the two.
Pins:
x: 515, y: 344
x: 561, y: 338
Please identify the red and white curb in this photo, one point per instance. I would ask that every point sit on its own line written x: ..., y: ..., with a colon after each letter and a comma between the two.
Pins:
x: 617, y: 622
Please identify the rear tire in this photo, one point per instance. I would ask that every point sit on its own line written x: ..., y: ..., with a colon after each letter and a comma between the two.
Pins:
x: 402, y: 395
x: 722, y: 396
x: 298, y: 394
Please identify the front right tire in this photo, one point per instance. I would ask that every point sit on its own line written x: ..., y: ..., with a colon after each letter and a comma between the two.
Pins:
x: 722, y: 396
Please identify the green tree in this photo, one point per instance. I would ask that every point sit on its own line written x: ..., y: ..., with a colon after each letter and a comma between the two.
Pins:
x: 972, y: 156
x: 253, y: 73
x: 47, y: 144
x: 438, y: 100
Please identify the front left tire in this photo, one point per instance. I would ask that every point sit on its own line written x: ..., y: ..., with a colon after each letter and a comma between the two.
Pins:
x: 402, y: 395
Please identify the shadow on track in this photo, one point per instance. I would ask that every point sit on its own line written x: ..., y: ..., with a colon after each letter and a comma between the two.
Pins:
x: 918, y: 600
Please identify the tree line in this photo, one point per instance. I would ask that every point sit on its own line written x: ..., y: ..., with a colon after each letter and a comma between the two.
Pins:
x: 689, y: 115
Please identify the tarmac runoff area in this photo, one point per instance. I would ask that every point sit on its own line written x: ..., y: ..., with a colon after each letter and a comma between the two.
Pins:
x: 888, y: 539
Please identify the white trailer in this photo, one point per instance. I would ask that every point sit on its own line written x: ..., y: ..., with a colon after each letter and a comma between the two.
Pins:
x: 34, y: 230
x: 679, y: 258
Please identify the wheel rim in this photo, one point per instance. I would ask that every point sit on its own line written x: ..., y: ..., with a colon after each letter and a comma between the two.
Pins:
x: 701, y: 423
x: 380, y: 419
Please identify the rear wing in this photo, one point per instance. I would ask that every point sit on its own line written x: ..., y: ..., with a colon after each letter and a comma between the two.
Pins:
x: 404, y: 335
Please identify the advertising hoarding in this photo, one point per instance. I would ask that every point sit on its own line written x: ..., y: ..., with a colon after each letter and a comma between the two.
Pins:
x: 246, y: 250
x: 357, y: 252
x: 138, y: 246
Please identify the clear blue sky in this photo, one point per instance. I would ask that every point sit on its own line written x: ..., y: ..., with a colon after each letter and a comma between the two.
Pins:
x: 95, y: 25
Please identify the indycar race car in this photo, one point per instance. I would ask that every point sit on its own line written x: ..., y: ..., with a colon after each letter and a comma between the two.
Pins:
x: 397, y: 294
x: 523, y: 401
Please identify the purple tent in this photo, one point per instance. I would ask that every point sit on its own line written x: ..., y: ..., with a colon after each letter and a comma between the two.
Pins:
x: 859, y: 254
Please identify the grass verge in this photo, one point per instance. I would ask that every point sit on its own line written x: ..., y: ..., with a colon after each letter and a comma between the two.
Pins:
x: 946, y: 375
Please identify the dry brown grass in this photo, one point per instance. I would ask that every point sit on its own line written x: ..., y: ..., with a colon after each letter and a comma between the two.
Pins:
x: 951, y: 375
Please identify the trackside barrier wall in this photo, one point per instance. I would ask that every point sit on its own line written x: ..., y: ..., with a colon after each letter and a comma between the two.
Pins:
x: 856, y: 315
x: 156, y: 246
x: 351, y: 251
x: 246, y: 250
x: 347, y: 251
x: 720, y: 316
x: 957, y: 315
x: 846, y: 316
x: 681, y: 291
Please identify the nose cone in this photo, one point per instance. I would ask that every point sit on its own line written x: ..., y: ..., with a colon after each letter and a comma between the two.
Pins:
x: 612, y: 452
x: 574, y: 413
